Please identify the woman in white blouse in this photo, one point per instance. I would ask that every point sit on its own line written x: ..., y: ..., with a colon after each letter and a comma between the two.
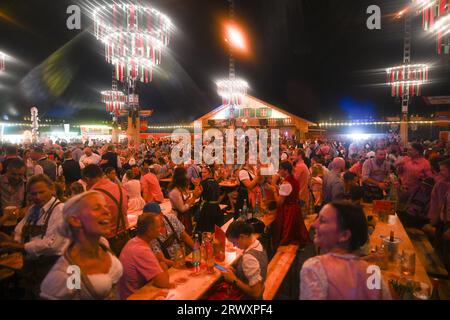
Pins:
x: 135, y: 201
x: 339, y: 273
x: 181, y: 199
x: 88, y: 270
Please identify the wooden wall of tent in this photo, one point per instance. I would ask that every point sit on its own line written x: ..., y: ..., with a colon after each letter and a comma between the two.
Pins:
x: 255, y: 113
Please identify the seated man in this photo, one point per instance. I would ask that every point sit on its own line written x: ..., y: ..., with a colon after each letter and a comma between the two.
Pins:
x: 140, y: 264
x: 12, y: 191
x: 166, y: 245
x: 38, y: 234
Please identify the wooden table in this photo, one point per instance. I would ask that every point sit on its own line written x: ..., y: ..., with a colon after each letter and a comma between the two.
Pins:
x: 393, y: 271
x: 195, y: 287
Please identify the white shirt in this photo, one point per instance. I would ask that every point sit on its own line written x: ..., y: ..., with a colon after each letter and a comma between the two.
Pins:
x: 53, y: 243
x: 250, y: 265
x: 54, y: 286
x: 245, y: 175
x: 92, y: 159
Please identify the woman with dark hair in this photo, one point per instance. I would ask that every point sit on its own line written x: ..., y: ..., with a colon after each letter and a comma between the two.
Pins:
x: 339, y: 273
x: 210, y: 214
x: 251, y: 269
x: 288, y: 227
x: 181, y: 199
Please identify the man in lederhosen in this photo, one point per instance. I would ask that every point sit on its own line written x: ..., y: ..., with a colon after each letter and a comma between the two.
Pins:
x: 37, y: 234
x: 375, y: 176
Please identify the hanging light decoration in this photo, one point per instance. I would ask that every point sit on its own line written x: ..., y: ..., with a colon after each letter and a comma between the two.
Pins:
x: 232, y: 91
x: 2, y: 61
x: 407, y: 78
x: 114, y: 100
x: 436, y: 19
x: 134, y: 37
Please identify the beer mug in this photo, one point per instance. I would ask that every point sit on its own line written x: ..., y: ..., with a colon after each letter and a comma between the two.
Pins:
x: 12, y: 212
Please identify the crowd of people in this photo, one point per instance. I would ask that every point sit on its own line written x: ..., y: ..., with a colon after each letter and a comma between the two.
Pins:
x: 72, y: 204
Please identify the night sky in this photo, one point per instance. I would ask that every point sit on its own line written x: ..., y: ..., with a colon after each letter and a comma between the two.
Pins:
x: 314, y: 58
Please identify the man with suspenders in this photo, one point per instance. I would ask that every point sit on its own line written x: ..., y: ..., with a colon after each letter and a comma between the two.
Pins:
x: 37, y: 234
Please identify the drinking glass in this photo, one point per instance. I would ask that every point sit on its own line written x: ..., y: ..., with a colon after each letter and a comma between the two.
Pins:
x: 408, y: 263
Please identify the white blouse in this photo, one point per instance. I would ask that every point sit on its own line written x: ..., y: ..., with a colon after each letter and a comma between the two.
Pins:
x: 56, y: 284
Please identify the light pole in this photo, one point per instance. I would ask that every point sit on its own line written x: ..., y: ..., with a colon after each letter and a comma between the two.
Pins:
x: 406, y: 80
x: 232, y: 90
x: 34, y: 125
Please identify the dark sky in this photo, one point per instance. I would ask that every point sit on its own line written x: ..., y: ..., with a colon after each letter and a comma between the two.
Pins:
x: 314, y: 58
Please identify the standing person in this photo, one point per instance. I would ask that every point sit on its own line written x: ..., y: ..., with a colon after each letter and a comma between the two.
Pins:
x: 249, y: 181
x: 151, y: 188
x: 210, y: 213
x: 288, y: 227
x: 86, y: 223
x: 333, y: 183
x: 77, y: 152
x: 139, y: 262
x: 117, y: 201
x: 302, y: 175
x: 135, y: 201
x: 414, y: 172
x: 70, y: 169
x: 338, y: 273
x: 88, y: 158
x: 111, y: 159
x: 38, y: 234
x: 181, y: 199
x: 48, y: 166
x: 375, y: 176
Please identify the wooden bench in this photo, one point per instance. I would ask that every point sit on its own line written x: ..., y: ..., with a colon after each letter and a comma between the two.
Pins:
x: 278, y: 268
x: 281, y: 264
x: 427, y: 254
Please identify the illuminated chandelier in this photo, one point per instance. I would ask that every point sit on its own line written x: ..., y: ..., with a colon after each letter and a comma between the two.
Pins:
x: 232, y: 91
x: 114, y: 100
x: 436, y: 19
x: 134, y: 37
x: 2, y: 61
x: 407, y: 79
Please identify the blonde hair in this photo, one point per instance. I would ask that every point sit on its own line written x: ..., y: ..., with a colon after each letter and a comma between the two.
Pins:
x: 72, y: 208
